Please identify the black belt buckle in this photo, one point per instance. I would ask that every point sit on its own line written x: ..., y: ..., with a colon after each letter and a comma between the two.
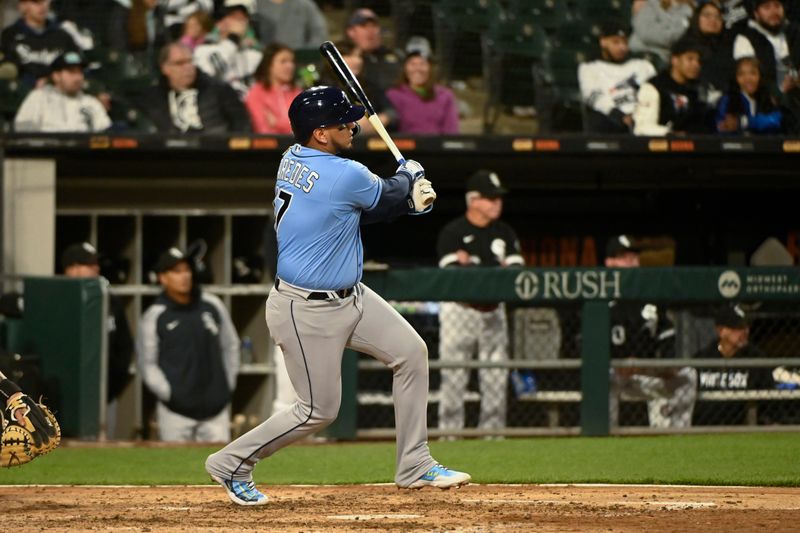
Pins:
x: 343, y: 293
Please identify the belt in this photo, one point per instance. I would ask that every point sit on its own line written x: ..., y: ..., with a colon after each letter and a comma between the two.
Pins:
x: 324, y: 295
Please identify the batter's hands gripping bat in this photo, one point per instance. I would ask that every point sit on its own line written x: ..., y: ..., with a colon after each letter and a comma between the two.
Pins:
x: 353, y: 88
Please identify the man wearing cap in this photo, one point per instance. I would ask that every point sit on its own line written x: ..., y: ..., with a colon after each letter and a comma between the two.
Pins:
x: 295, y: 23
x: 645, y: 331
x: 34, y: 41
x: 80, y: 260
x: 609, y: 84
x: 670, y: 102
x: 62, y: 106
x: 775, y: 41
x: 732, y: 341
x: 381, y: 64
x: 476, y: 239
x: 231, y: 52
x: 188, y: 101
x: 188, y: 354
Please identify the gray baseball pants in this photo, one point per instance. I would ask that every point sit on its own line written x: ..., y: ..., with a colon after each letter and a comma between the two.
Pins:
x: 463, y: 334
x: 313, y: 335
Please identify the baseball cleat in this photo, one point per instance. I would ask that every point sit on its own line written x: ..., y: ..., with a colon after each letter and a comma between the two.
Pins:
x: 242, y: 492
x: 441, y: 478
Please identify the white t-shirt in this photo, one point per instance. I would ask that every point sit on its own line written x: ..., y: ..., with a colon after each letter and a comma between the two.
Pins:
x: 606, y: 86
x: 49, y: 110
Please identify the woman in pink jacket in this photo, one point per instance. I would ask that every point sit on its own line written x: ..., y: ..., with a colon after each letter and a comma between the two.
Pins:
x: 269, y: 99
x: 423, y: 106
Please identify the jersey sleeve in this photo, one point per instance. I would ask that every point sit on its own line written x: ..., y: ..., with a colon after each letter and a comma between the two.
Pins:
x: 357, y: 186
x: 513, y: 249
x: 448, y: 243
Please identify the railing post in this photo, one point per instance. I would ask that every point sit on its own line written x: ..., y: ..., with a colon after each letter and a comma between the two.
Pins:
x: 595, y: 354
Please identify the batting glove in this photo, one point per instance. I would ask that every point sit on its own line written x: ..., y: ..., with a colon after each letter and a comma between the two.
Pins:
x: 421, y: 198
x: 412, y: 169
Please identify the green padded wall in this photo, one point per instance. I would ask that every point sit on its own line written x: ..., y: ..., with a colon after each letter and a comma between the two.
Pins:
x: 63, y: 326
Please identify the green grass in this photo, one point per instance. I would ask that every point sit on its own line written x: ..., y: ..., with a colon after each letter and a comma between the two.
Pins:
x: 738, y: 459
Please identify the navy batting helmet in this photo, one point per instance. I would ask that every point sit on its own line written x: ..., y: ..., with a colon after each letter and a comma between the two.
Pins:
x: 321, y: 106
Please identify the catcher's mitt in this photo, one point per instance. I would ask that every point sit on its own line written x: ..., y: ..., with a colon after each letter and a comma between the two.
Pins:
x: 29, y: 428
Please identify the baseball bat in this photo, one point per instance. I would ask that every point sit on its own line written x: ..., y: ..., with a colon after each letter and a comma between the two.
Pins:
x: 353, y: 88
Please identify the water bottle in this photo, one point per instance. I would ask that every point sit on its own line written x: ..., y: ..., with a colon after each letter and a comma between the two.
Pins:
x: 247, y: 350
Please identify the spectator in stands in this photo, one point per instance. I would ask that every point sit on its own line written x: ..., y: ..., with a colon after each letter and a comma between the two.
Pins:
x: 422, y: 105
x: 231, y: 52
x: 171, y: 14
x: 708, y: 30
x: 188, y: 101
x: 610, y: 83
x: 645, y: 331
x: 734, y: 13
x: 296, y: 23
x: 271, y: 95
x: 196, y: 28
x: 106, y: 20
x: 751, y: 106
x: 477, y: 239
x: 775, y: 42
x: 34, y: 41
x: 381, y: 64
x: 80, y: 260
x: 188, y: 354
x: 658, y: 25
x: 670, y: 102
x: 62, y: 106
x: 383, y: 107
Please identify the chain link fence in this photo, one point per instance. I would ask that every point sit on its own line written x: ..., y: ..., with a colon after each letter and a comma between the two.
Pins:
x: 512, y: 369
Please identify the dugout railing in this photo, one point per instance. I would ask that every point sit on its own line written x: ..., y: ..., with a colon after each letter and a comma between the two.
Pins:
x: 568, y: 390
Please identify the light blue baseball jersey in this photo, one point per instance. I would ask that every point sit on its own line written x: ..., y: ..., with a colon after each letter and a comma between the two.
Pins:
x: 318, y: 202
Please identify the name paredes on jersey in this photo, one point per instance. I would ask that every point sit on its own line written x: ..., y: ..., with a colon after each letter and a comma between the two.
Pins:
x: 297, y: 174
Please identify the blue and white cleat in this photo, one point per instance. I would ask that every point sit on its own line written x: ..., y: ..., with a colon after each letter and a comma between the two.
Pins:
x: 242, y: 492
x: 441, y: 478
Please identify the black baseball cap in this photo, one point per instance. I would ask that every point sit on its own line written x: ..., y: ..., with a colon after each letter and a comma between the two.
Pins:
x: 81, y: 253
x: 611, y: 28
x: 362, y: 16
x: 170, y: 258
x: 486, y: 183
x: 685, y: 44
x: 731, y: 316
x: 620, y: 244
x: 67, y: 60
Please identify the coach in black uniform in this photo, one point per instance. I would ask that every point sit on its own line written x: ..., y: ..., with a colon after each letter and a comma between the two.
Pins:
x: 188, y: 353
x: 478, y: 238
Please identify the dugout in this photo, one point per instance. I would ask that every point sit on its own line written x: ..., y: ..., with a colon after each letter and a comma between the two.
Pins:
x: 717, y: 198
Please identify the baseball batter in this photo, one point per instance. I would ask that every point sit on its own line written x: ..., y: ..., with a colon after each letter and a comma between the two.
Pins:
x: 318, y: 306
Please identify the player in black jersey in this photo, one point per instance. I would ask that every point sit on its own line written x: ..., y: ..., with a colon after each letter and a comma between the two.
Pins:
x: 644, y: 331
x: 478, y: 238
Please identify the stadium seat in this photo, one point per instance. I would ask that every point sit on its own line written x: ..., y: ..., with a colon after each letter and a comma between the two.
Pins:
x: 558, y: 94
x: 550, y: 14
x: 12, y: 93
x: 453, y: 19
x: 578, y: 34
x: 511, y: 45
x: 600, y: 10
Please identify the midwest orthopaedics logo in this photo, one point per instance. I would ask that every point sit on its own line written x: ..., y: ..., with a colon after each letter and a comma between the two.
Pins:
x: 729, y: 284
x: 568, y: 285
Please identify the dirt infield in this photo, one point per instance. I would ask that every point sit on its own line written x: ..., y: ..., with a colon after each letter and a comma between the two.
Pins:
x: 476, y: 508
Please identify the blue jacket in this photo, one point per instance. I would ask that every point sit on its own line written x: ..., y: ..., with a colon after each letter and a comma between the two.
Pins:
x: 759, y: 123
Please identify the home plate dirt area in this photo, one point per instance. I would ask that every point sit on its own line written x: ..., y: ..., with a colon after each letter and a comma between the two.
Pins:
x: 474, y: 508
